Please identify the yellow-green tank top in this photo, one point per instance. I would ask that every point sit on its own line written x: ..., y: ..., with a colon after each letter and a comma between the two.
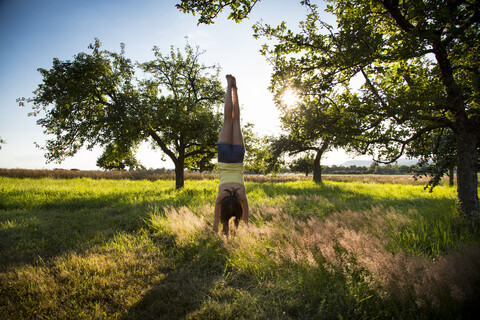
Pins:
x: 230, y: 172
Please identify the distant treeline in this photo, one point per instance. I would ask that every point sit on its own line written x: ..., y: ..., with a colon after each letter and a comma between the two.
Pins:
x: 166, y: 174
x: 388, y: 169
x: 372, y: 169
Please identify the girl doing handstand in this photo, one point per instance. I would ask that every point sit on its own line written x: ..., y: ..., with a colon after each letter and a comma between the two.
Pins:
x: 232, y: 197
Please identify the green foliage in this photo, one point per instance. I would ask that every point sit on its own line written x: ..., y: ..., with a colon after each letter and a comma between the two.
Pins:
x: 96, y: 100
x: 258, y: 154
x: 437, y: 155
x: 115, y: 158
x: 415, y: 59
x: 303, y: 164
x: 421, y: 73
x: 209, y: 10
x: 201, y: 163
x: 313, y: 123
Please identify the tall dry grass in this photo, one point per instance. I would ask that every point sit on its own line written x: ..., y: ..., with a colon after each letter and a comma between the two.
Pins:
x: 133, y: 175
x: 348, y: 244
x: 383, y: 179
x: 94, y: 174
x: 356, y: 241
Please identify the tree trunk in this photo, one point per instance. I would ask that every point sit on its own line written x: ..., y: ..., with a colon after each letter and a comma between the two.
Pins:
x: 317, y: 173
x: 317, y: 168
x: 179, y: 173
x: 467, y: 191
x: 467, y: 179
x: 178, y: 161
x: 451, y: 180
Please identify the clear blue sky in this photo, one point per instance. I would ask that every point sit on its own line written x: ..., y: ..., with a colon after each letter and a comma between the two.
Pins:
x: 33, y: 32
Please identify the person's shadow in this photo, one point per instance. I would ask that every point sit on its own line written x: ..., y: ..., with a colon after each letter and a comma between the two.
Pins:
x: 185, y: 287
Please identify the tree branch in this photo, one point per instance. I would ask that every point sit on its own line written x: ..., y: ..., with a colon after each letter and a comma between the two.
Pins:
x: 162, y: 145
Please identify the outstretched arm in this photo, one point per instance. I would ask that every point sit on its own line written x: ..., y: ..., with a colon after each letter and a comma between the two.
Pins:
x: 246, y: 211
x: 216, y: 218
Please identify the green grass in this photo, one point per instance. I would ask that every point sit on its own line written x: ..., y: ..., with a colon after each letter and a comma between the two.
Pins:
x: 121, y: 249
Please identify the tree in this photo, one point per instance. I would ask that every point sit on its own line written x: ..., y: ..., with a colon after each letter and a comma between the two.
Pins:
x: 201, y: 163
x: 313, y: 123
x: 303, y: 164
x: 419, y: 62
x: 421, y: 71
x: 293, y: 145
x: 2, y: 142
x: 259, y: 158
x: 113, y: 158
x: 191, y: 127
x: 96, y: 100
x: 436, y: 154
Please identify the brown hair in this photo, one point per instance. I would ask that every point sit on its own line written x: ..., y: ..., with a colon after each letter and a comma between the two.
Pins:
x: 230, y: 207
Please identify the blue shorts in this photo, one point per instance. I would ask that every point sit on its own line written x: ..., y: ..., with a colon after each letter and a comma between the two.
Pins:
x: 229, y: 153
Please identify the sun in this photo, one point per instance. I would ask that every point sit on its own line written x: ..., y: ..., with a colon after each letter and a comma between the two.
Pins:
x: 290, y: 98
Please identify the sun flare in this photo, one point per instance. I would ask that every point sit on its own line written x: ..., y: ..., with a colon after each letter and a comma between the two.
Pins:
x: 290, y: 98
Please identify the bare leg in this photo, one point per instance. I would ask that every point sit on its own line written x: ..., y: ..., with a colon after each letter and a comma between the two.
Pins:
x: 228, y: 112
x: 231, y: 131
x: 237, y: 137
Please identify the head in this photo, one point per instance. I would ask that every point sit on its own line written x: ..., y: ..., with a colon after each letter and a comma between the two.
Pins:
x: 230, y: 207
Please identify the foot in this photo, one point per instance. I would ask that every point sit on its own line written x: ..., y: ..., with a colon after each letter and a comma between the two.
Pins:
x: 231, y: 81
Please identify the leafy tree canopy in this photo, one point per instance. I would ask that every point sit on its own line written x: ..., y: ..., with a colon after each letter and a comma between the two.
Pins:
x: 314, y: 123
x: 420, y: 78
x: 115, y: 158
x: 420, y: 69
x: 303, y: 164
x: 209, y: 10
x: 258, y: 154
x: 97, y: 100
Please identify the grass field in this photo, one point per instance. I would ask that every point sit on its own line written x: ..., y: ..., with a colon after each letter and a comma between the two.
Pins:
x: 84, y: 248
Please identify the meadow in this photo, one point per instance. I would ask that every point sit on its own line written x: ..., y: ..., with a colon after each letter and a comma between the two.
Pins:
x: 359, y: 248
